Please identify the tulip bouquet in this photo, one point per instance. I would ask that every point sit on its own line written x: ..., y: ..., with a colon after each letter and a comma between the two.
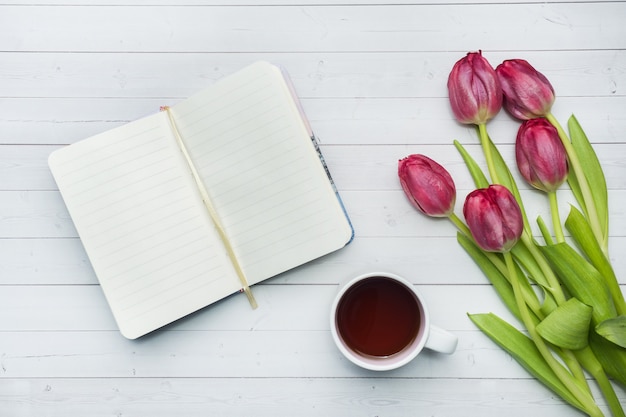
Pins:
x: 562, y: 289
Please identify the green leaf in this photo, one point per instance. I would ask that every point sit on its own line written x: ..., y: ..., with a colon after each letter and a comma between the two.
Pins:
x: 506, y: 179
x: 480, y: 180
x: 611, y: 356
x: 502, y: 170
x: 523, y: 255
x: 593, y: 172
x: 523, y: 349
x: 578, y: 194
x: 493, y: 274
x: 568, y: 325
x: 549, y: 303
x: 614, y: 330
x: 581, y: 279
x: 582, y: 235
x: 545, y: 232
x: 530, y: 297
x: 498, y: 277
x: 533, y: 272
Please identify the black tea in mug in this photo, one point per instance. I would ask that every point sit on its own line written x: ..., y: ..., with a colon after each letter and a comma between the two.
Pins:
x: 378, y: 316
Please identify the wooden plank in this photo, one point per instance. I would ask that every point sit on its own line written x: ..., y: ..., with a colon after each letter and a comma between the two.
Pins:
x: 292, y: 307
x: 336, y: 121
x: 36, y: 214
x: 351, y: 396
x: 44, y: 261
x: 316, y: 74
x: 363, y: 168
x: 229, y: 354
x: 320, y: 28
x: 232, y: 354
x: 425, y: 259
x: 64, y: 262
x: 25, y: 167
x: 42, y: 214
x: 387, y: 213
x: 375, y: 167
x: 282, y: 307
x: 54, y: 120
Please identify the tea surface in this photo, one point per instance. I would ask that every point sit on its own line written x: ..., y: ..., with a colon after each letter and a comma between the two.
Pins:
x: 378, y: 317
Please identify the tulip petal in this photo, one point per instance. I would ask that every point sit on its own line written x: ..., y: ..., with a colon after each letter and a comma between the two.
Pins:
x: 527, y: 92
x: 614, y: 330
x: 493, y: 217
x: 474, y: 90
x: 427, y: 185
x: 540, y: 154
x: 568, y: 325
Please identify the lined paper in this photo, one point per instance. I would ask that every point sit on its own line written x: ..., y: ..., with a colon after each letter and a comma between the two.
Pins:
x: 255, y: 155
x: 142, y: 225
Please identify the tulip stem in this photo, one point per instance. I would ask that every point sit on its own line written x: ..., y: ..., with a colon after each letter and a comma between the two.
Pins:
x: 589, y: 360
x: 559, y: 297
x: 553, y: 282
x: 484, y: 141
x: 556, y: 219
x: 526, y: 237
x: 566, y: 378
x: 529, y: 296
x: 460, y: 225
x: 582, y: 181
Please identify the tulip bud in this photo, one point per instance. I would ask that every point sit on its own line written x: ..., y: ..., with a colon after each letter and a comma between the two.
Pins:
x: 540, y: 154
x: 474, y: 90
x: 428, y: 186
x: 527, y: 93
x: 494, y: 218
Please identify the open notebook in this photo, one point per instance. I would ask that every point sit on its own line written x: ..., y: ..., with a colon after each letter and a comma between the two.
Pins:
x: 140, y: 214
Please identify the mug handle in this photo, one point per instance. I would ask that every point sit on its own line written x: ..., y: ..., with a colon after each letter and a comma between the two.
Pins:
x: 441, y: 340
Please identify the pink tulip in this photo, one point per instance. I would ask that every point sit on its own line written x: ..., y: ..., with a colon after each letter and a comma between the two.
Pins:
x: 428, y: 186
x: 540, y: 154
x: 474, y: 90
x: 494, y: 218
x: 527, y: 93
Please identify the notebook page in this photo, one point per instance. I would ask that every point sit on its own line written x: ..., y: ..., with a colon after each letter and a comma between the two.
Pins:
x: 143, y: 225
x: 260, y: 168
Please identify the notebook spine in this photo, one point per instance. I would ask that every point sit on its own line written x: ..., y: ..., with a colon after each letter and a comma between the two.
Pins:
x: 315, y: 142
x: 332, y: 182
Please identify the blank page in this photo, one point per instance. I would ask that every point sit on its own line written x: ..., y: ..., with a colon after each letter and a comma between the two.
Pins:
x: 261, y: 170
x: 143, y: 225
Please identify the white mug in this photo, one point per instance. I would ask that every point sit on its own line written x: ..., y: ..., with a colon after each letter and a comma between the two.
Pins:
x: 379, y: 321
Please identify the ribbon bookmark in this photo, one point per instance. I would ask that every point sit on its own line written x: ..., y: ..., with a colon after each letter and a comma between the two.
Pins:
x: 207, y: 203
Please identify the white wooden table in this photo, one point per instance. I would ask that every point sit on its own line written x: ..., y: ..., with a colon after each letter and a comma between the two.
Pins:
x: 372, y: 78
